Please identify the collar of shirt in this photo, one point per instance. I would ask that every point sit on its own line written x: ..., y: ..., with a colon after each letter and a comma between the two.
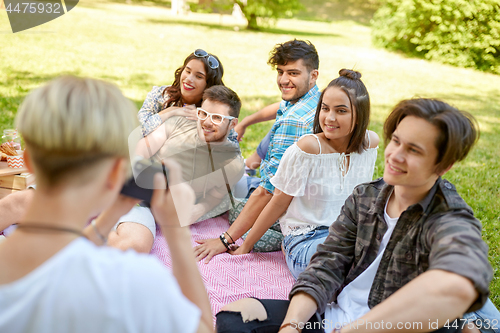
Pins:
x: 447, y: 189
x: 285, y: 105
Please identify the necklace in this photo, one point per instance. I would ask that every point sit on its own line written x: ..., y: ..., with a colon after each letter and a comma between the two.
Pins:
x: 47, y: 227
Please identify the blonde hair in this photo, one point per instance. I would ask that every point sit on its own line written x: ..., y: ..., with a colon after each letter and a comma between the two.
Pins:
x: 71, y: 124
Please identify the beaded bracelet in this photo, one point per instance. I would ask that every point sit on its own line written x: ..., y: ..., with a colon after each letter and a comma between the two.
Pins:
x: 224, y: 241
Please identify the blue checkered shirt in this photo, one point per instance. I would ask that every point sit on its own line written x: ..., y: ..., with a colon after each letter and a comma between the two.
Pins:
x: 292, y: 122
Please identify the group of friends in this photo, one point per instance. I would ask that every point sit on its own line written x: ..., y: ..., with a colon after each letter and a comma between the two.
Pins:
x: 403, y: 252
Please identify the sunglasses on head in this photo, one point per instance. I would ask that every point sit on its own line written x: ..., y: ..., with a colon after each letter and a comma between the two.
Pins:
x: 212, y: 61
x: 217, y: 119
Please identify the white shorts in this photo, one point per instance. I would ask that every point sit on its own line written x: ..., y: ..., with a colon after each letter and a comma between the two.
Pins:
x: 140, y: 215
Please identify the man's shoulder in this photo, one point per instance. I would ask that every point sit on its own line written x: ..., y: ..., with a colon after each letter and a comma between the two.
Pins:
x: 373, y: 186
x: 451, y: 197
x: 182, y: 123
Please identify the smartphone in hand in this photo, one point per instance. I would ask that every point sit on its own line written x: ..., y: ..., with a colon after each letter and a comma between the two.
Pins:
x: 141, y: 184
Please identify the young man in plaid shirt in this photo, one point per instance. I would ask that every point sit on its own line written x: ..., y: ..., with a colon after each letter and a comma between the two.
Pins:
x: 297, y: 65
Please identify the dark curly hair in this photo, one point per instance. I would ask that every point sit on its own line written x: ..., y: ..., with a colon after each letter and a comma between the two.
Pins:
x: 213, y: 78
x: 294, y: 50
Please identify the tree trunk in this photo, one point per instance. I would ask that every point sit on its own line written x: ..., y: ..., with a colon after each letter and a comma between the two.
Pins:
x: 252, y: 22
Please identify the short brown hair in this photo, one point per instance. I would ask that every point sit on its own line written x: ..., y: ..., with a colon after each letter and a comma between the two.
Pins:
x: 458, y: 130
x: 224, y: 95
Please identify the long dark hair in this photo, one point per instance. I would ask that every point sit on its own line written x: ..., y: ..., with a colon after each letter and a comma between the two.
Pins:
x: 350, y: 82
x: 213, y: 78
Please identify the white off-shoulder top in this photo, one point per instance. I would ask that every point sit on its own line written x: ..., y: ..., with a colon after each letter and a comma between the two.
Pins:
x: 319, y: 185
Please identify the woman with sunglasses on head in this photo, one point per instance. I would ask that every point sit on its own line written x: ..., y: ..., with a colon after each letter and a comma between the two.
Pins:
x: 201, y: 70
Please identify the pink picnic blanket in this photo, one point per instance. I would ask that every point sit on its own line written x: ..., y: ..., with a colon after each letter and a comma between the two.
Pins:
x: 229, y: 278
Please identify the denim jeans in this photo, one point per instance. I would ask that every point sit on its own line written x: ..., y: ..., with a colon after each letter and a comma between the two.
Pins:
x: 487, y: 319
x: 263, y: 145
x: 299, y: 249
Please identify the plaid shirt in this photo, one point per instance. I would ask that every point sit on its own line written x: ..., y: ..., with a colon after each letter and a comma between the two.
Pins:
x: 439, y: 232
x: 292, y: 122
x: 153, y: 104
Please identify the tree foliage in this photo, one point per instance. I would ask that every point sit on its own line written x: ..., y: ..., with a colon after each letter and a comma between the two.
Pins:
x: 463, y: 33
x: 267, y: 9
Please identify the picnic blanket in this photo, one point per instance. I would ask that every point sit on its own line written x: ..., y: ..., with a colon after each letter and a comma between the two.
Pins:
x: 229, y: 278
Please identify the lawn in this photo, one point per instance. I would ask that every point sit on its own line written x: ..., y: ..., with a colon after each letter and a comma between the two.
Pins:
x: 138, y: 46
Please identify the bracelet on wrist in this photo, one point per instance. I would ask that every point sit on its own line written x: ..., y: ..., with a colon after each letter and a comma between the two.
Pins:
x: 103, y: 239
x: 229, y: 246
x: 232, y: 240
x: 224, y: 241
x: 292, y: 325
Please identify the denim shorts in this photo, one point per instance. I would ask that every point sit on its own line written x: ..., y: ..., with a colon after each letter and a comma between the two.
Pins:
x: 487, y: 319
x: 263, y: 145
x: 299, y: 249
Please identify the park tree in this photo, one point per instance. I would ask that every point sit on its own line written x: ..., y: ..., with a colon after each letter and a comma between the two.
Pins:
x: 463, y: 33
x: 255, y: 10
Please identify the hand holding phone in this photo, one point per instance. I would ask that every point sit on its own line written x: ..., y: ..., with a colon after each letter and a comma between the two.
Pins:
x: 141, y: 184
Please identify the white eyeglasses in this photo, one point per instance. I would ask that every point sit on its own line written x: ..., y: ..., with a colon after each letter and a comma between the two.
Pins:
x: 216, y: 118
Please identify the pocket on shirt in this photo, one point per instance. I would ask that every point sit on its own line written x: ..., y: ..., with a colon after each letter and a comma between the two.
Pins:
x: 405, y: 266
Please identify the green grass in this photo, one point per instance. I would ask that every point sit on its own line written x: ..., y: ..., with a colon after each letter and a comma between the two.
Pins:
x: 138, y: 46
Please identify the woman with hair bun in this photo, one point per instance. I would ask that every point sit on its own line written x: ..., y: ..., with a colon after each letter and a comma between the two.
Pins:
x: 201, y: 70
x: 318, y: 172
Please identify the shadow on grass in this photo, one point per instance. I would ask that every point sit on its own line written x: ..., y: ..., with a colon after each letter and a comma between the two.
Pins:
x: 488, y: 105
x: 269, y: 30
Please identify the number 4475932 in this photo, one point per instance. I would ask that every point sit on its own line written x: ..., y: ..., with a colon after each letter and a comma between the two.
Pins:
x: 33, y: 7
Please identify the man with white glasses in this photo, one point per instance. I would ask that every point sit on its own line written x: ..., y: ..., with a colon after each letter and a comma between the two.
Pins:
x: 211, y: 164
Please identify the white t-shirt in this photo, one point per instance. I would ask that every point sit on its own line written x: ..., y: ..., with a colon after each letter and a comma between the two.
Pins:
x: 84, y: 288
x: 352, y: 302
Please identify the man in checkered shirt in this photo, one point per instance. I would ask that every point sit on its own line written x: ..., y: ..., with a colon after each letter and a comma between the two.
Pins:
x: 297, y: 65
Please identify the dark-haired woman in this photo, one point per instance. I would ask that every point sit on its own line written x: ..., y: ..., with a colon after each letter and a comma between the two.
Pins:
x: 317, y: 174
x: 200, y: 71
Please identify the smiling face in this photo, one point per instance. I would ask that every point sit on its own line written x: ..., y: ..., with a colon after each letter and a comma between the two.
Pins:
x: 411, y: 155
x: 193, y: 82
x: 210, y: 132
x: 295, y: 80
x: 336, y: 116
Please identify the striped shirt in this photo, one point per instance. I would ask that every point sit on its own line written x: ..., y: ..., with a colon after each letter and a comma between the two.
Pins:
x: 292, y: 122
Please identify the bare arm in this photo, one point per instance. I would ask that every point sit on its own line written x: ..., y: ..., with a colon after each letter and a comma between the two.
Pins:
x: 108, y: 218
x: 273, y: 210
x: 255, y: 204
x: 435, y: 295
x: 264, y: 114
x: 188, y: 111
x: 14, y: 206
x: 172, y: 209
x: 301, y: 308
x: 150, y: 144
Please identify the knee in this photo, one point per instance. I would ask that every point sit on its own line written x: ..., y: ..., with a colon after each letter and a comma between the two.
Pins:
x: 139, y: 240
x: 249, y: 308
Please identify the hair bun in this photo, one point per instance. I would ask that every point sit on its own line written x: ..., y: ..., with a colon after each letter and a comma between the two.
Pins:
x: 349, y: 73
